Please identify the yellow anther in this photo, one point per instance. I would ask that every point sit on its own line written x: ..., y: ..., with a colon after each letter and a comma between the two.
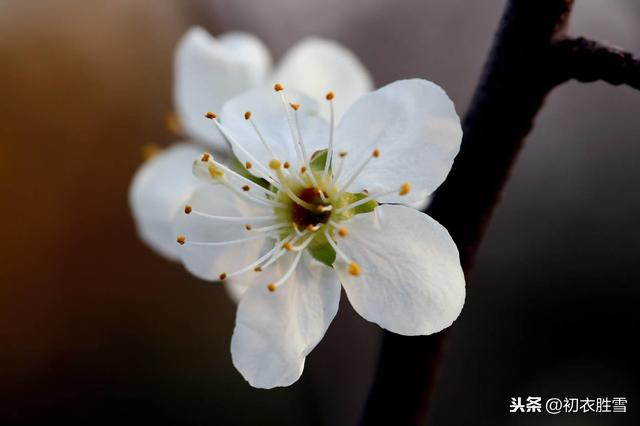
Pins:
x: 271, y: 287
x: 286, y: 165
x: 210, y: 115
x: 214, y: 171
x: 246, y: 188
x: 274, y: 164
x: 248, y: 227
x: 330, y: 96
x: 247, y: 115
x: 288, y: 246
x: 181, y: 239
x: 312, y: 228
x: 222, y: 276
x: 257, y: 269
x: 405, y: 188
x: 342, y: 154
x: 376, y: 153
x: 320, y: 209
x: 205, y: 157
x: 149, y: 151
x: 278, y: 87
x: 354, y: 269
x: 187, y: 209
x: 303, y: 169
x: 343, y: 232
x: 248, y: 165
x: 295, y: 106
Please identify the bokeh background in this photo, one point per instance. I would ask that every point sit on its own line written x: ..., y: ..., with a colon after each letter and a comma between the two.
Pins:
x: 97, y: 329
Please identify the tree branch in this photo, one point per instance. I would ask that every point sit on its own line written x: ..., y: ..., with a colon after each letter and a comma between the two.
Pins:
x: 587, y: 60
x: 530, y: 56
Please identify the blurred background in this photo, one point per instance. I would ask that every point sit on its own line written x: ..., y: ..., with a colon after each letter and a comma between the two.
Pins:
x: 97, y: 329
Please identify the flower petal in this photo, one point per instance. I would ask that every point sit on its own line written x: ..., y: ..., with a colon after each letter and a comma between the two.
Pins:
x: 275, y: 331
x: 270, y: 117
x: 414, y: 125
x: 159, y: 189
x: 209, y: 70
x: 211, y: 206
x: 316, y: 66
x: 411, y: 281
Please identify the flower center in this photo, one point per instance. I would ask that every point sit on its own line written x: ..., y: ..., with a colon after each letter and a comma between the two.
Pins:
x: 304, y: 217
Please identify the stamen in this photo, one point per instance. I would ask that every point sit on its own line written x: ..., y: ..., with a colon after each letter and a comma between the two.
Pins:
x: 222, y: 243
x: 304, y: 153
x: 343, y: 232
x: 246, y: 195
x: 295, y: 106
x: 275, y: 227
x: 354, y: 269
x: 337, y: 174
x: 274, y: 164
x: 205, y: 157
x: 329, y: 159
x: 290, y: 193
x: 248, y: 165
x: 335, y: 247
x: 222, y: 276
x: 255, y: 265
x: 247, y: 116
x: 273, y: 286
x: 210, y: 115
x: 248, y: 227
x: 404, y: 190
x: 234, y: 218
x: 278, y: 87
x: 246, y: 188
x: 187, y: 209
x: 286, y: 165
x: 375, y: 154
x: 232, y: 141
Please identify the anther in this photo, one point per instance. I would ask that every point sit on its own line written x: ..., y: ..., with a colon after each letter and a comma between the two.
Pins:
x: 342, y: 154
x: 247, y: 115
x: 187, y: 209
x: 286, y: 165
x: 248, y: 227
x: 295, y: 106
x: 405, y: 188
x: 274, y: 164
x: 330, y: 96
x: 257, y: 269
x: 288, y: 246
x: 278, y: 87
x: 312, y: 228
x: 222, y: 276
x: 210, y: 115
x: 246, y: 188
x: 343, y: 232
x: 271, y: 287
x: 180, y: 240
x: 376, y: 153
x: 303, y: 169
x: 205, y: 157
x: 322, y: 209
x: 354, y: 269
x: 248, y: 165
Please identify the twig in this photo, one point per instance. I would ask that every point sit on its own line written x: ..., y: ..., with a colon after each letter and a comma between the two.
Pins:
x: 530, y: 56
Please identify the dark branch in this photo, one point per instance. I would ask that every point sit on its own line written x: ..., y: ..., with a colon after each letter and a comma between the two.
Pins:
x: 587, y: 60
x: 530, y: 56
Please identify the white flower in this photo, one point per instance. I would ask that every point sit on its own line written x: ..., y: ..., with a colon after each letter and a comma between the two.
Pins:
x: 320, y: 220
x: 209, y: 71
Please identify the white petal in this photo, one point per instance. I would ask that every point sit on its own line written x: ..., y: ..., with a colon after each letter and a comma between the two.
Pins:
x: 414, y: 125
x: 159, y: 189
x: 209, y: 71
x: 316, y: 66
x: 209, y: 261
x: 275, y: 331
x: 411, y: 281
x: 270, y: 117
